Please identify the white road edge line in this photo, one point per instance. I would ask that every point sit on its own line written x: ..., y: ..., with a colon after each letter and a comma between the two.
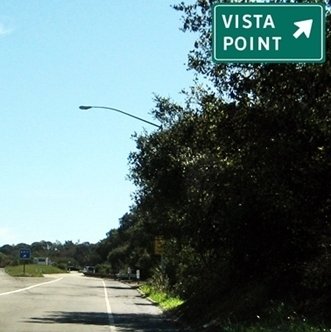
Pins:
x: 112, y: 327
x: 30, y: 287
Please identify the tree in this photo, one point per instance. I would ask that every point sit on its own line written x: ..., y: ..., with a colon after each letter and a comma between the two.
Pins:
x: 237, y: 181
x: 128, y: 246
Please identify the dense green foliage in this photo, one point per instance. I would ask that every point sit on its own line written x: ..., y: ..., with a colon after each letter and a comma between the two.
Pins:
x: 129, y: 246
x: 237, y: 182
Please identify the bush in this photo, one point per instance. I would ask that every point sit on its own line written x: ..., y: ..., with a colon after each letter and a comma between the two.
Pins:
x: 4, y: 260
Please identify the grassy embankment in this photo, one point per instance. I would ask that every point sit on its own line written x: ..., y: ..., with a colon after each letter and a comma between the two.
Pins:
x: 164, y: 300
x: 280, y: 318
x: 32, y: 270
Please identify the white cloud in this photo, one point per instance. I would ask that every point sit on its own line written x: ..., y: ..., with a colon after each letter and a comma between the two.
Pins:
x: 5, y: 30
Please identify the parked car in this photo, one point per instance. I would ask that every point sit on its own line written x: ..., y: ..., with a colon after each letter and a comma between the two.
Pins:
x: 89, y: 270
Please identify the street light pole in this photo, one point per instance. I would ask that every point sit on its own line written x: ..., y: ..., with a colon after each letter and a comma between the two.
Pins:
x: 85, y: 108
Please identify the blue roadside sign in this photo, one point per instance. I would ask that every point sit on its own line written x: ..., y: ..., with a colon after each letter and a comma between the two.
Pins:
x: 25, y: 254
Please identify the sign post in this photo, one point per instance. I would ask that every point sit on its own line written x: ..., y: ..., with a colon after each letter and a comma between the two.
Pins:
x: 159, y: 245
x: 278, y: 33
x: 25, y: 255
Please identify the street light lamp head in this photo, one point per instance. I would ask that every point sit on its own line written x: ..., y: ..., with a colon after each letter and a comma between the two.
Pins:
x: 85, y: 108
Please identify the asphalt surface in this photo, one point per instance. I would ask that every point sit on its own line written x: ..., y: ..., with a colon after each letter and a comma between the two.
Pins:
x: 75, y: 303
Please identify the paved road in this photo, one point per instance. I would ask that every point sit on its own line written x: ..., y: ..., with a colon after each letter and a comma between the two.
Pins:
x: 74, y: 303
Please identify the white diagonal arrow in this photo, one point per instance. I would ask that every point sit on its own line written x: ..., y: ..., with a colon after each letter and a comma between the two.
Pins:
x: 304, y: 27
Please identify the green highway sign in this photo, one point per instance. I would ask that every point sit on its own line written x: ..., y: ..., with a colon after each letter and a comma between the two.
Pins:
x: 277, y: 33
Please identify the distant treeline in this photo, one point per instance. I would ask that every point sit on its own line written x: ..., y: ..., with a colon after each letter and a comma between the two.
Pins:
x: 64, y: 255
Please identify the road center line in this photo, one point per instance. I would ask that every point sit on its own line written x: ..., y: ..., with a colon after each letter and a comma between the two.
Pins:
x: 30, y: 287
x: 112, y: 327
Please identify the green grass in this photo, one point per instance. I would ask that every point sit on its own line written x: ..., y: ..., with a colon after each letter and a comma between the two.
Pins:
x: 281, y: 327
x: 32, y: 270
x: 164, y: 300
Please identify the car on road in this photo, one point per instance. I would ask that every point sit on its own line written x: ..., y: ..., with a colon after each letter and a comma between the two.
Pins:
x: 89, y: 269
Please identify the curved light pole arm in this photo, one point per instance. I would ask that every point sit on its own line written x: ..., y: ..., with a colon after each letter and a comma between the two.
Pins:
x: 85, y: 108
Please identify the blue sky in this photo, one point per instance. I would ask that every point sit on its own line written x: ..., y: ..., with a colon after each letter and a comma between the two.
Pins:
x: 63, y: 171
